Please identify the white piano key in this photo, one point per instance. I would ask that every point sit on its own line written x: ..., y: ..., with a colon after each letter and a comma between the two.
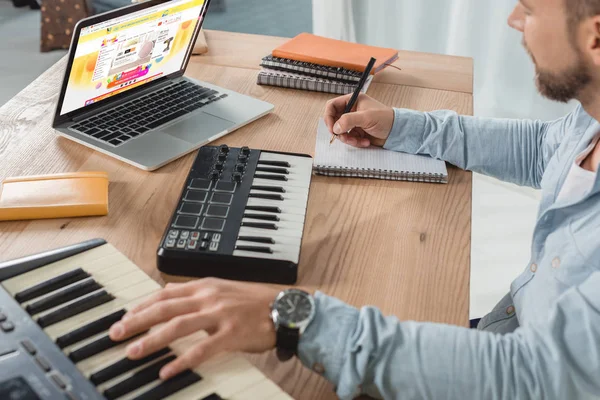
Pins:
x: 292, y: 190
x: 281, y: 225
x: 285, y: 207
x: 280, y: 240
x: 299, y: 197
x: 291, y: 182
x: 282, y: 217
x: 296, y: 162
x: 276, y: 255
x: 101, y: 260
x: 262, y: 390
x: 248, y: 231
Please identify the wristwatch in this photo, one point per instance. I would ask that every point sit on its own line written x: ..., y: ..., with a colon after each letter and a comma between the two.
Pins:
x: 292, y: 311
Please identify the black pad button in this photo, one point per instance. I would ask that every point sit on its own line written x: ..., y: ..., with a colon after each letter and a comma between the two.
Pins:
x: 217, y: 211
x: 213, y: 224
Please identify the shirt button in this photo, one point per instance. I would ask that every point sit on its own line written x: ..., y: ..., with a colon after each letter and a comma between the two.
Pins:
x: 533, y: 267
x: 510, y: 310
x: 556, y: 262
x: 318, y: 368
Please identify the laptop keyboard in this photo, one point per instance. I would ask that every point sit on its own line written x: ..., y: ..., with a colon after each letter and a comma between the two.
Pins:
x: 134, y: 118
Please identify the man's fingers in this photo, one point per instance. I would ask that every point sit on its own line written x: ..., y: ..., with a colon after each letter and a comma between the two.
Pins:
x: 334, y: 109
x: 171, y: 291
x: 155, y: 314
x: 178, y: 327
x: 198, y: 354
x: 350, y: 121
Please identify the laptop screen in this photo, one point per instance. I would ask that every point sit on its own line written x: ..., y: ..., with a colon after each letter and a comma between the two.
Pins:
x: 129, y: 51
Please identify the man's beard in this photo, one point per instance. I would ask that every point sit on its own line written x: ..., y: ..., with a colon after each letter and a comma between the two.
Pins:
x: 562, y: 86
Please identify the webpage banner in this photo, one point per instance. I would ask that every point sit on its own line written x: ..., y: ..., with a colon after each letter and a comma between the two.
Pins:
x: 126, y: 52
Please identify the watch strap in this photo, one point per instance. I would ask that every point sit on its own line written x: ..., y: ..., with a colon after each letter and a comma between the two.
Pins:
x: 287, y: 342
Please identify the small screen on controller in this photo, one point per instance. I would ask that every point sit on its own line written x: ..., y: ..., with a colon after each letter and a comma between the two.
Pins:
x: 17, y: 389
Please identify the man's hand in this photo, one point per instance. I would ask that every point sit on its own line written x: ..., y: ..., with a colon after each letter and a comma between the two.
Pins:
x: 236, y: 316
x: 370, y: 122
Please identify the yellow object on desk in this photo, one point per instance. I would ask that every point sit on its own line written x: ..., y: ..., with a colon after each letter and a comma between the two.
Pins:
x: 54, y: 196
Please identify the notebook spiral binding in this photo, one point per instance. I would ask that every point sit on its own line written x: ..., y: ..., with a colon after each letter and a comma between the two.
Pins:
x: 379, y: 174
x: 310, y: 69
x: 286, y: 80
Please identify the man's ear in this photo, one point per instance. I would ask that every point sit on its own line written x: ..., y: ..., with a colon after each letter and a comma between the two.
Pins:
x: 592, y: 38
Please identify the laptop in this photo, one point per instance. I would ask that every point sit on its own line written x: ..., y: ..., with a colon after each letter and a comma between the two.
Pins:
x: 124, y: 93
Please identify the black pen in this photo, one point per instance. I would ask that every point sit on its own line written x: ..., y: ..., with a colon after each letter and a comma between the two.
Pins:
x: 359, y: 88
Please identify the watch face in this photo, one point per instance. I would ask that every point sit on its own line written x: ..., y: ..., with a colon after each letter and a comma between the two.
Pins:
x: 294, y: 308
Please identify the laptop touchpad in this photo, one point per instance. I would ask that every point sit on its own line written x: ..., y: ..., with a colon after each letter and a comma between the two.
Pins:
x: 198, y: 127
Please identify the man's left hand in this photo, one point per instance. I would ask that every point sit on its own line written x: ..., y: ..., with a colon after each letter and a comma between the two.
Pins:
x: 235, y: 315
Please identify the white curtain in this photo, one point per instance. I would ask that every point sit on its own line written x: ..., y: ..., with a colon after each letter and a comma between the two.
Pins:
x: 504, y: 85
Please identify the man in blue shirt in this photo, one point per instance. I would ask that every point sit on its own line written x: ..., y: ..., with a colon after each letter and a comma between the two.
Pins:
x: 541, y: 341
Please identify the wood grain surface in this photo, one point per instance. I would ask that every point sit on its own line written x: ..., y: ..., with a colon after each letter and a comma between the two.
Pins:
x: 403, y: 247
x: 425, y: 70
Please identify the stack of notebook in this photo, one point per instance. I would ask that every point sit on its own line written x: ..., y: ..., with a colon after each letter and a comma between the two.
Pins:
x: 315, y: 63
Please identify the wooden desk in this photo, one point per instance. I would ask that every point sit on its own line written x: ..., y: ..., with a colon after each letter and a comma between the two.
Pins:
x: 403, y: 247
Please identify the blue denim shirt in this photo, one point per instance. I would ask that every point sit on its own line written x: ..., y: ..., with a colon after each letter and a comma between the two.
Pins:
x: 542, y: 341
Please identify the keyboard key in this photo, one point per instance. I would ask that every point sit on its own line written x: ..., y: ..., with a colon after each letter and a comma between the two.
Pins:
x: 173, y: 385
x: 124, y: 365
x: 213, y: 396
x: 259, y: 225
x: 111, y: 136
x: 59, y: 381
x: 173, y: 234
x: 181, y: 243
x: 137, y: 380
x: 275, y: 189
x: 265, y: 217
x: 256, y: 239
x: 275, y: 163
x: 166, y: 119
x: 51, y: 285
x: 266, y: 196
x: 256, y: 249
x: 89, y: 330
x: 271, y: 177
x: 77, y: 307
x: 275, y: 210
x: 96, y: 347
x: 273, y: 170
x: 115, y: 142
x: 71, y: 293
x: 214, y: 246
x: 185, y: 235
x: 186, y: 222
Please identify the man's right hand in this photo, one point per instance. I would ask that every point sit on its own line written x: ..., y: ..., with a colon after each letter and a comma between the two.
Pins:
x: 369, y: 123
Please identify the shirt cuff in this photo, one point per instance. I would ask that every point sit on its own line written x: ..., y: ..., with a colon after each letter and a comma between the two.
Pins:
x: 407, y: 131
x: 322, y: 347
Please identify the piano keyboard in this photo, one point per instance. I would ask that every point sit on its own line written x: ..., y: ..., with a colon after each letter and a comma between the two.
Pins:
x: 55, y: 312
x: 240, y: 216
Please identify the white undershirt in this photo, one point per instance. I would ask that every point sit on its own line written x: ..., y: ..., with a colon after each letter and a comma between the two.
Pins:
x: 579, y: 181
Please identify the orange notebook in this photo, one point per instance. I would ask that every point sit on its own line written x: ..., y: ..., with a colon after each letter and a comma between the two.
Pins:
x: 54, y: 196
x: 314, y: 49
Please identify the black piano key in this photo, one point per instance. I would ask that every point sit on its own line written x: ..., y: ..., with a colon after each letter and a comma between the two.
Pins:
x: 255, y: 249
x: 137, y: 380
x: 276, y: 189
x: 96, y: 347
x: 271, y: 177
x: 63, y: 296
x: 89, y: 330
x: 264, y: 217
x: 51, y: 285
x: 273, y: 170
x: 212, y: 396
x: 173, y: 385
x: 276, y: 210
x: 77, y: 307
x: 266, y: 196
x: 124, y: 365
x: 284, y: 164
x: 260, y: 225
x: 257, y: 239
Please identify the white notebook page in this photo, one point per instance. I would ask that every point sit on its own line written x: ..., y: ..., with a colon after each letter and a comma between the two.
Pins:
x: 340, y: 155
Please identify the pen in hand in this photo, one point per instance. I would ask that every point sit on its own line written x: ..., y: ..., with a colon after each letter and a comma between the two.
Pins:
x: 359, y: 88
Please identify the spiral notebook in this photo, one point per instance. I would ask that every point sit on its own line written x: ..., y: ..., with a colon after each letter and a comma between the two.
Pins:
x: 339, y: 159
x: 310, y: 69
x: 298, y: 81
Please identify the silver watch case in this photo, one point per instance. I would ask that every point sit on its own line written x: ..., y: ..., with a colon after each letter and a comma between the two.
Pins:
x: 279, y: 321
